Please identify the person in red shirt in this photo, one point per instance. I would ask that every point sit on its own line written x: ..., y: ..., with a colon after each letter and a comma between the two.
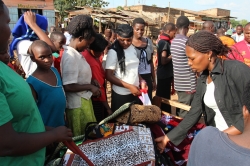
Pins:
x: 92, y: 55
x: 59, y: 40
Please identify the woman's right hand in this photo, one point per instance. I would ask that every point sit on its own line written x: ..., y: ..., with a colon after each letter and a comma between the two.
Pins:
x: 135, y: 90
x: 30, y: 18
x: 62, y: 133
x: 96, y: 91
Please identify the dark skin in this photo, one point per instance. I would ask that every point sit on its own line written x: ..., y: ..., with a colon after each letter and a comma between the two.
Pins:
x: 42, y: 56
x: 125, y: 43
x: 247, y: 33
x: 80, y: 44
x: 165, y: 58
x: 239, y: 30
x: 198, y: 62
x: 19, y: 144
x: 5, y: 58
x: 140, y: 41
x: 30, y: 19
x: 97, y: 55
x: 59, y: 41
x: 208, y: 26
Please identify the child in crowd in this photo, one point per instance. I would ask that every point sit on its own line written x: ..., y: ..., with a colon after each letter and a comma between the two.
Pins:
x: 29, y: 27
x: 92, y: 55
x: 76, y: 75
x: 59, y: 40
x: 23, y: 136
x: 46, y: 85
x: 122, y: 68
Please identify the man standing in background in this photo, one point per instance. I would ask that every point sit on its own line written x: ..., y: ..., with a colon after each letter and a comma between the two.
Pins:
x: 184, y: 77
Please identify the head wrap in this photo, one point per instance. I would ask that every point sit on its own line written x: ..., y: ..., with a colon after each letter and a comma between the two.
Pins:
x: 22, y: 31
x: 124, y: 31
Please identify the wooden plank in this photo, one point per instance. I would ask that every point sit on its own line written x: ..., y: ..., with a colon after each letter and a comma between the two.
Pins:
x: 158, y: 100
x: 176, y: 104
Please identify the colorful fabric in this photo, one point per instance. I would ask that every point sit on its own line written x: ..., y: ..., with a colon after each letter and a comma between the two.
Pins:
x: 241, y: 52
x: 227, y: 41
x: 79, y: 117
x: 123, y: 108
x: 17, y: 106
x: 51, y: 100
x: 120, y: 149
x: 178, y: 154
x: 22, y: 31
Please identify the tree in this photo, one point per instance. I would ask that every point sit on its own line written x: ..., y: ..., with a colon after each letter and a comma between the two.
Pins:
x: 234, y: 22
x: 65, y: 5
x: 119, y: 8
x: 154, y: 5
x: 243, y: 22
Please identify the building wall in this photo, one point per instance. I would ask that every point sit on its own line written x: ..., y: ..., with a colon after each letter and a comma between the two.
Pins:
x: 217, y: 12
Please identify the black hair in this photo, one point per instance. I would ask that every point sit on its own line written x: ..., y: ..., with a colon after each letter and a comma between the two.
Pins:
x: 81, y: 25
x: 138, y: 21
x: 36, y: 44
x: 239, y: 26
x: 54, y: 35
x: 246, y: 96
x: 125, y: 31
x: 99, y: 44
x: 1, y: 6
x: 168, y: 27
x: 182, y: 22
x: 204, y: 42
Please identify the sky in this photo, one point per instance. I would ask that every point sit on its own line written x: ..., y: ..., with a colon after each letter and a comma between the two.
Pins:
x: 239, y: 10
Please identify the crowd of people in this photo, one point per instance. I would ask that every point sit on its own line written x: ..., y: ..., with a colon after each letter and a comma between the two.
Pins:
x: 66, y: 76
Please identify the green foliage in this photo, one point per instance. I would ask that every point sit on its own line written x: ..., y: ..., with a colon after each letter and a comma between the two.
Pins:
x: 154, y: 5
x: 65, y: 5
x: 238, y: 22
x: 119, y: 8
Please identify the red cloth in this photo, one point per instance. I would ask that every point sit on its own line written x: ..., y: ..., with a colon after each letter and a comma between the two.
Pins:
x: 97, y: 73
x: 11, y: 66
x: 241, y: 52
x: 164, y: 37
x: 57, y: 61
x: 178, y: 154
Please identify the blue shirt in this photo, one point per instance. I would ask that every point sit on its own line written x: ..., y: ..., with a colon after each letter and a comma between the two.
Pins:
x: 51, y: 100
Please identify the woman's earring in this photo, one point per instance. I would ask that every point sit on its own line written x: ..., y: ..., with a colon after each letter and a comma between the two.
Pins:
x: 209, y: 59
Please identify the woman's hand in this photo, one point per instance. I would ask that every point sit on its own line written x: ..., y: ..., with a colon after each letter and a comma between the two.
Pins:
x: 62, y: 133
x: 30, y: 18
x: 96, y: 91
x: 134, y: 90
x: 96, y: 83
x: 162, y: 142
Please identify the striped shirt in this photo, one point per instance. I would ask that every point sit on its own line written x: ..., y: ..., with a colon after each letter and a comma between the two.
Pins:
x: 184, y: 77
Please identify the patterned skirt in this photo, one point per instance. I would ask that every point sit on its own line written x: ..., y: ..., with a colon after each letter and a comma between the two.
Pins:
x: 79, y: 117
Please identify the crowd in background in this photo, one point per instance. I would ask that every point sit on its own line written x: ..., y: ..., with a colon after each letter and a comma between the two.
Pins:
x: 66, y: 75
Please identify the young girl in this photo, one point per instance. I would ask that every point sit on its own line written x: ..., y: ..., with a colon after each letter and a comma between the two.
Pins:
x: 122, y: 68
x: 46, y: 85
x: 76, y: 75
x: 92, y: 57
x: 144, y: 49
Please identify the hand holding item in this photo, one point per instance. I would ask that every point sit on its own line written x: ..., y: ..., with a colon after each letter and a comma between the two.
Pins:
x: 162, y: 142
x: 135, y: 90
x: 62, y: 133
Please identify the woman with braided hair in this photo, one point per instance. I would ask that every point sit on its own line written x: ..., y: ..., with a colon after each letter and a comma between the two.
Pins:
x: 76, y: 75
x: 219, y: 89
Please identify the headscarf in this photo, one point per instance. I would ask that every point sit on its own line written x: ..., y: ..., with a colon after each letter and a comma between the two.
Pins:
x: 125, y: 31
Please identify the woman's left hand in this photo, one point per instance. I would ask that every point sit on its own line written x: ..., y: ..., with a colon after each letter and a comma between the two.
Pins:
x: 96, y: 83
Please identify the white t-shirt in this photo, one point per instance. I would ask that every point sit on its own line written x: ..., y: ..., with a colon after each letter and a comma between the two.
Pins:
x: 131, y: 63
x: 210, y: 102
x: 75, y: 69
x: 68, y: 37
x: 24, y: 58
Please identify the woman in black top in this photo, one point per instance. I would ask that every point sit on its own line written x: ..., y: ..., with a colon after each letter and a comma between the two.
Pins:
x: 229, y: 78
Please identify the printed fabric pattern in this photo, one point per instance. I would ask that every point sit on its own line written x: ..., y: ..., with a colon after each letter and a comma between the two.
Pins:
x: 122, y: 149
